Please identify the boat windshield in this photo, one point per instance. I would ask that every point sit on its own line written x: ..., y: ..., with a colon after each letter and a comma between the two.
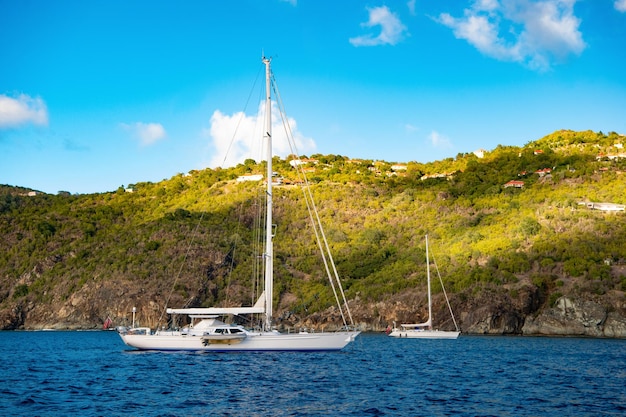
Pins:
x: 233, y: 330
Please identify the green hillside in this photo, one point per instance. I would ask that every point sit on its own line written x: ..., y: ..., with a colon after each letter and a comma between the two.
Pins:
x: 80, y: 258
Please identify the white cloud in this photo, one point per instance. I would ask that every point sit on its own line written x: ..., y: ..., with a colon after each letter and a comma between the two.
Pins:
x: 409, y: 128
x: 438, y: 140
x: 238, y: 137
x: 148, y: 133
x: 532, y: 33
x: 391, y: 28
x: 22, y: 110
x: 411, y: 5
x: 486, y: 5
x: 620, y: 5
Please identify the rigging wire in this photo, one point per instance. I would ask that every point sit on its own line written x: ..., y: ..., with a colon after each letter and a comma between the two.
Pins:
x: 316, y: 222
x: 444, y: 292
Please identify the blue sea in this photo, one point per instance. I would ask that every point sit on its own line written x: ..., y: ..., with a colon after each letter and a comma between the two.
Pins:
x: 95, y: 374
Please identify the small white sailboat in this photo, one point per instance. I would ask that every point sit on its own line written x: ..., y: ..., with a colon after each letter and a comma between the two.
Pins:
x: 425, y: 330
x: 207, y: 332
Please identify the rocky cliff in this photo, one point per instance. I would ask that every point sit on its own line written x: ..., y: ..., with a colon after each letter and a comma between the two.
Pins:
x: 490, y: 310
x: 579, y: 317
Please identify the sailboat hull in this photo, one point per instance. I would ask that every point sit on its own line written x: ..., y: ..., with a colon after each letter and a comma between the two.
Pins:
x: 424, y: 334
x: 271, y: 341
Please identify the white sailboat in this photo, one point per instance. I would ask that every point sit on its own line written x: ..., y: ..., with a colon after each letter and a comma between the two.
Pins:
x: 207, y: 332
x: 425, y: 330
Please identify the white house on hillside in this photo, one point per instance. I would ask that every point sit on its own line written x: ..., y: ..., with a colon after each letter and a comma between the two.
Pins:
x: 250, y: 177
x: 480, y: 153
x: 605, y: 206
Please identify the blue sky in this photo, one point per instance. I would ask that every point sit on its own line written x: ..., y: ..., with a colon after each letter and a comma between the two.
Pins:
x: 95, y: 95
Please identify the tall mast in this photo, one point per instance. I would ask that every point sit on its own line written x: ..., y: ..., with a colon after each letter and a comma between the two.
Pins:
x: 269, y: 250
x: 430, y: 312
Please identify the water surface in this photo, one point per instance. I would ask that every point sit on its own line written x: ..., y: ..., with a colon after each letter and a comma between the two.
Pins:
x: 95, y: 374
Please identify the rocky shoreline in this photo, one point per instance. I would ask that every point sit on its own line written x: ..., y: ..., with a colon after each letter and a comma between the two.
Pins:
x: 484, y: 314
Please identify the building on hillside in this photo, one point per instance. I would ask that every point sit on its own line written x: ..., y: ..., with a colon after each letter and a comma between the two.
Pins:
x: 480, y: 153
x: 514, y: 183
x: 431, y: 176
x: 437, y: 175
x: 304, y: 161
x: 250, y: 177
x: 399, y: 167
x: 612, y: 157
x: 604, y: 206
x: 543, y: 172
